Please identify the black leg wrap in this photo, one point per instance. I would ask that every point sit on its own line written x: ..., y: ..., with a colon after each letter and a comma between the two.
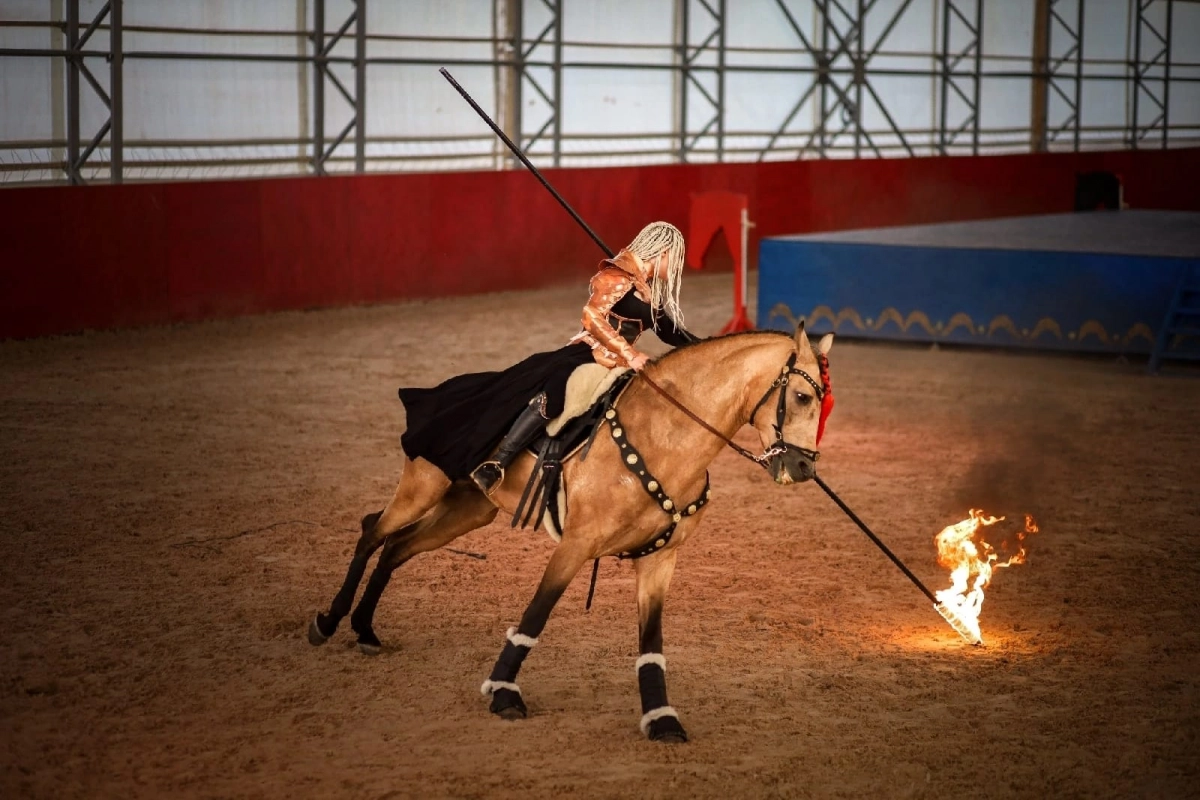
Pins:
x: 502, y: 685
x: 509, y: 663
x: 660, y: 723
x: 652, y: 683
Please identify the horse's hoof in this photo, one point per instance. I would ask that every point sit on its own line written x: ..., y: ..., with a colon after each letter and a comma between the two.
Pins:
x: 667, y: 730
x: 508, y: 704
x: 369, y: 643
x: 316, y: 636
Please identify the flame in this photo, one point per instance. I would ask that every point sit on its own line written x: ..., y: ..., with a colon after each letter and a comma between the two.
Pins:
x: 972, y: 561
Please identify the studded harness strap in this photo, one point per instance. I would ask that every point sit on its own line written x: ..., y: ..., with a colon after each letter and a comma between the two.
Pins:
x: 633, y: 461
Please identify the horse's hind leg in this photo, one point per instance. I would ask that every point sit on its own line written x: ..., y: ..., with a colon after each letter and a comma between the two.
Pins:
x: 421, y: 486
x: 502, y: 684
x: 462, y: 510
x: 660, y: 722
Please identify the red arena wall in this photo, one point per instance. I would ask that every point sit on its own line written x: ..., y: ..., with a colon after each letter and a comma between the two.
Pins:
x: 107, y: 256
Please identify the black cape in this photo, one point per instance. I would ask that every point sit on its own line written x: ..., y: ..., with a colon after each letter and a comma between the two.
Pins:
x: 458, y: 424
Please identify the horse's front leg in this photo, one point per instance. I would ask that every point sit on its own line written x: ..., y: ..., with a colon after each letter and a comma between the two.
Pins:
x: 502, y: 684
x: 660, y: 722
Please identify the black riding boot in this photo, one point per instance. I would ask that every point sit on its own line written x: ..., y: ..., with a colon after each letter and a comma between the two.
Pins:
x: 490, y: 474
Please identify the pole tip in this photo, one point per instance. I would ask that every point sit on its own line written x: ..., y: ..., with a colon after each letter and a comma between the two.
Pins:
x: 969, y: 633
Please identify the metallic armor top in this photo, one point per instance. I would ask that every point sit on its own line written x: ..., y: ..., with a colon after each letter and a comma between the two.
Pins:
x: 618, y: 312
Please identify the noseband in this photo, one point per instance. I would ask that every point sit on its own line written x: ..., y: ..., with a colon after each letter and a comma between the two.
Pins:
x: 779, y: 447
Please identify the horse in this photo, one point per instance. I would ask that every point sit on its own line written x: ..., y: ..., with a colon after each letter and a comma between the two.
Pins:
x: 640, y: 492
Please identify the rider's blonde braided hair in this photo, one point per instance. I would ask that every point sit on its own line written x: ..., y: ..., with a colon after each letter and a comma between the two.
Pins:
x: 663, y: 237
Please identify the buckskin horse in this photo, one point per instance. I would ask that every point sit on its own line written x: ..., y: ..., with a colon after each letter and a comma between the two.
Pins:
x: 639, y: 493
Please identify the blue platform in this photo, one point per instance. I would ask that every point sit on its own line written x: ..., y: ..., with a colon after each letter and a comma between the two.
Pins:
x: 1097, y: 281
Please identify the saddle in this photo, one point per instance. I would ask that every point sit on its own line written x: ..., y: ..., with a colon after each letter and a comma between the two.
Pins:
x: 591, y: 390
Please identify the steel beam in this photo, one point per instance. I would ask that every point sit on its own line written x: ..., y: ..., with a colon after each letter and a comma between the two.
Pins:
x: 360, y: 87
x: 715, y: 11
x: 323, y: 45
x: 116, y: 92
x: 1039, y: 90
x: 1064, y: 67
x: 72, y: 168
x: 550, y: 35
x: 318, y: 39
x: 968, y: 16
x: 112, y: 98
x: 1151, y: 53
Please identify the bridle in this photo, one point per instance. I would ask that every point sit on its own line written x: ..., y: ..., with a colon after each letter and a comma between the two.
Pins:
x: 779, y: 446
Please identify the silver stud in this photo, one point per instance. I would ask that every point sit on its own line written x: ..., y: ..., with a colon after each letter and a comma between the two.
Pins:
x: 660, y: 542
x: 610, y: 414
x: 668, y: 505
x: 632, y: 458
x: 692, y: 508
x: 617, y: 433
x: 652, y: 486
x: 677, y: 517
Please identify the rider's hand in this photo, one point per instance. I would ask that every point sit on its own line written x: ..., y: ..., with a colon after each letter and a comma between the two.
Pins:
x: 638, y: 362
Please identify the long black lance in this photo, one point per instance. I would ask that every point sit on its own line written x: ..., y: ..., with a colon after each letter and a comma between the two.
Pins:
x: 517, y: 152
x: 947, y: 613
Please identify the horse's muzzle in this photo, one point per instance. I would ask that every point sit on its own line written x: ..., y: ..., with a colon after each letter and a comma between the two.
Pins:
x: 794, y: 466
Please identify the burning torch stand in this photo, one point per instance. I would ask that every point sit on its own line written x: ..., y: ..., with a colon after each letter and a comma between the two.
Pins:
x: 740, y: 321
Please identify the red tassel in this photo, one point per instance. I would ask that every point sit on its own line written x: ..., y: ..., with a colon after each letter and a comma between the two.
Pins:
x: 827, y: 399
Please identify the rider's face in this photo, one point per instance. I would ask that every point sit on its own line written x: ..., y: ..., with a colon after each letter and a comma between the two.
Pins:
x: 659, y: 266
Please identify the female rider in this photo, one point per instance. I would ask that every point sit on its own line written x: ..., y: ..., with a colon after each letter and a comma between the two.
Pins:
x: 460, y: 426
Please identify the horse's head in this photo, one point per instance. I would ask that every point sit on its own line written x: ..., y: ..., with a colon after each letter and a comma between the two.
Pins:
x: 790, y: 417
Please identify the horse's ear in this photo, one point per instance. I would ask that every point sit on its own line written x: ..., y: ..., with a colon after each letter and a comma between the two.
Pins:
x: 801, y: 336
x: 826, y: 343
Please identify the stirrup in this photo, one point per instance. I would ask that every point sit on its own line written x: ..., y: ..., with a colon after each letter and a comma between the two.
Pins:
x: 488, y: 476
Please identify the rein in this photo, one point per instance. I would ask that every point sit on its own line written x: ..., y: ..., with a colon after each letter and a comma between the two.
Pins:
x: 780, y: 382
x: 737, y: 447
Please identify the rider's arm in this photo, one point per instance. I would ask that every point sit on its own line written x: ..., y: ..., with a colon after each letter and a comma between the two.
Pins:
x: 670, y: 333
x: 608, y: 287
x: 633, y: 307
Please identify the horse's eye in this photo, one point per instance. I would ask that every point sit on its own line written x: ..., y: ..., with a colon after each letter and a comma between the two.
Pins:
x: 804, y: 399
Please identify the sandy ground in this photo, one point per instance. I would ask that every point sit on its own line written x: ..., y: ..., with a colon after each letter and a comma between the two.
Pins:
x: 177, y: 502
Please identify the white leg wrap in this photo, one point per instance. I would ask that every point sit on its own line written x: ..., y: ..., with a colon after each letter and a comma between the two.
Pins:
x: 520, y: 639
x: 651, y: 658
x: 658, y: 713
x: 490, y: 686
